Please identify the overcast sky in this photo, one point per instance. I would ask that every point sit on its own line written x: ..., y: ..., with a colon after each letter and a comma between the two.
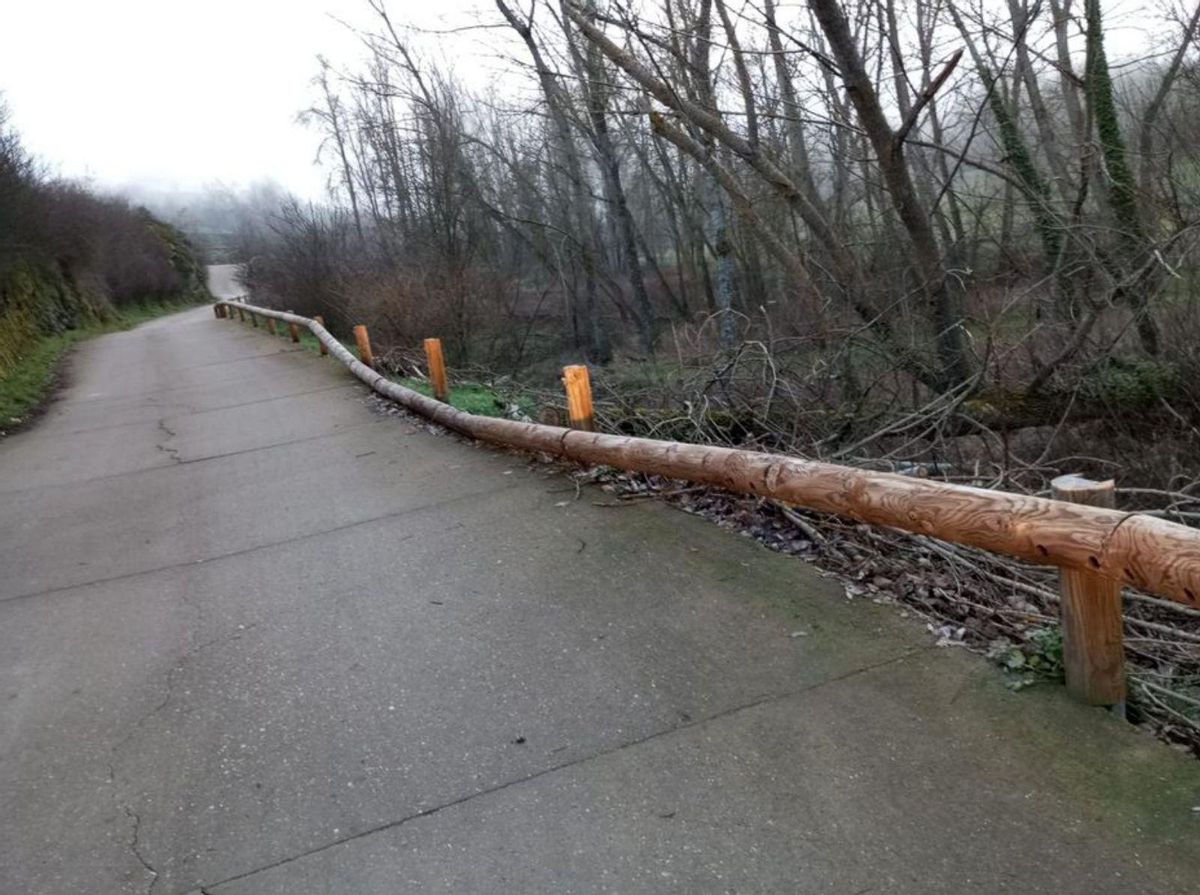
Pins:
x: 178, y: 95
x: 168, y: 94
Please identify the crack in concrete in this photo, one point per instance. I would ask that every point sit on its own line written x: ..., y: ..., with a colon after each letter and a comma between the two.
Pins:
x: 227, y: 363
x: 50, y: 434
x: 197, y: 625
x: 384, y: 517
x: 170, y: 433
x: 288, y: 397
x: 183, y: 408
x: 146, y: 470
x: 114, y: 781
x: 207, y: 888
x: 153, y: 396
x: 135, y: 847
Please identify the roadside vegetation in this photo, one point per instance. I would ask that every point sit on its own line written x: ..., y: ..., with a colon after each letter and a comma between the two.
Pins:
x: 945, y: 239
x: 483, y: 397
x: 28, y: 383
x: 73, y: 264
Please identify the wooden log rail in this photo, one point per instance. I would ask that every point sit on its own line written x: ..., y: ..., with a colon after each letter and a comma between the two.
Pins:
x: 1145, y: 552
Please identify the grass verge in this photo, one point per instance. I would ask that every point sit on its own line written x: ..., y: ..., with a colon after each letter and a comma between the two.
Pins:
x: 473, y: 397
x: 476, y: 398
x: 30, y: 383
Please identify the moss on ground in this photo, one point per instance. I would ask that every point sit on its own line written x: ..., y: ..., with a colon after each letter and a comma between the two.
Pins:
x: 29, y: 375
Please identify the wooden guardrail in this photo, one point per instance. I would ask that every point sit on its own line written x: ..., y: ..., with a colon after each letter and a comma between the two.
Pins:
x: 1092, y: 544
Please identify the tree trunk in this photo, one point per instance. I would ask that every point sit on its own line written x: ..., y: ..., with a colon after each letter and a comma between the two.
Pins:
x: 1122, y: 193
x: 948, y: 331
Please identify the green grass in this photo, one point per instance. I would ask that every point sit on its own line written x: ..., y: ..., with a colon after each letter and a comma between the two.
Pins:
x: 472, y: 397
x: 308, y: 341
x: 29, y: 383
x: 137, y: 314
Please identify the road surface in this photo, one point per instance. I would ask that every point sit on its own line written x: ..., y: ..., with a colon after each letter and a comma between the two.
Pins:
x: 256, y: 637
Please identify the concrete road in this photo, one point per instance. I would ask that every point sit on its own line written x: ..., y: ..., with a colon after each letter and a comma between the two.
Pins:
x: 258, y: 638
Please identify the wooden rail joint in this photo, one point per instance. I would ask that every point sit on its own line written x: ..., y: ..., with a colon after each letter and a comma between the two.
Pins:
x: 1090, y: 612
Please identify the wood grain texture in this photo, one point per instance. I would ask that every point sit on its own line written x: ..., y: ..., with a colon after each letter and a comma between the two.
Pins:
x: 578, y: 385
x: 437, y: 369
x: 1090, y: 612
x: 363, y: 339
x: 1151, y: 554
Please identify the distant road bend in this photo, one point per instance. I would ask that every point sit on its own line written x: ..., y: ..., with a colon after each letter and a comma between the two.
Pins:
x: 258, y: 638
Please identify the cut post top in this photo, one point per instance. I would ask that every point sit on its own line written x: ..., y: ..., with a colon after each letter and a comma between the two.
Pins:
x: 1090, y: 612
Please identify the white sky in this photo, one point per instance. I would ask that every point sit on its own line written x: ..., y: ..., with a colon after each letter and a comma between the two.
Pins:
x: 170, y: 94
x: 177, y: 95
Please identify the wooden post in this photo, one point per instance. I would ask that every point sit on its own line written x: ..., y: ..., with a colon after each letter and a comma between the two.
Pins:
x: 437, y: 370
x: 241, y: 315
x: 254, y: 318
x: 364, y: 346
x: 579, y: 397
x: 294, y: 329
x: 320, y: 344
x: 271, y: 325
x: 1090, y: 612
x: 217, y: 310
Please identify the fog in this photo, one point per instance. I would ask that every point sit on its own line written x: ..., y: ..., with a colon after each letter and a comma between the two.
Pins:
x: 163, y: 101
x: 173, y: 97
